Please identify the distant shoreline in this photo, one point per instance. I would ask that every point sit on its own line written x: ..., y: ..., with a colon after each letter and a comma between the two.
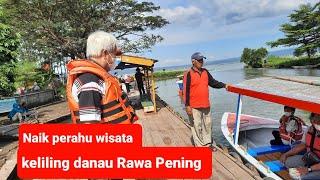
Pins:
x: 170, y: 74
x: 278, y: 53
x: 276, y: 62
x: 173, y: 72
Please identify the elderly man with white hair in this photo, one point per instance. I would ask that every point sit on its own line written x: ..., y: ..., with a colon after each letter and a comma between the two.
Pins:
x: 93, y: 94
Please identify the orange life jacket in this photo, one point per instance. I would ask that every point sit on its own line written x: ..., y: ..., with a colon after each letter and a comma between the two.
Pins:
x: 115, y: 107
x: 199, y: 89
x: 292, y: 136
x: 315, y: 145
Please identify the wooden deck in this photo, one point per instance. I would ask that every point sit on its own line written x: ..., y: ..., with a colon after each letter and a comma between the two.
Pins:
x: 163, y: 128
x: 50, y: 113
x: 8, y: 159
x: 9, y: 134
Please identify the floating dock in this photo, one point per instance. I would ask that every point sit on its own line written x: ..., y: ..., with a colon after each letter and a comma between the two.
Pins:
x: 163, y: 128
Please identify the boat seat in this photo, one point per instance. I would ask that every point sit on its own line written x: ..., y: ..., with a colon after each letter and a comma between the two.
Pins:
x: 275, y: 166
x: 254, y: 152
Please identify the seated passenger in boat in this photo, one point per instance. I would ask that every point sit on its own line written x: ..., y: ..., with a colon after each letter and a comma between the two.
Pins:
x: 305, y: 166
x: 290, y: 130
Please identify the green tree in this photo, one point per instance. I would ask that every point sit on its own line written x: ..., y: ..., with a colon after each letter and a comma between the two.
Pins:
x: 60, y: 28
x: 246, y: 55
x: 9, y: 43
x: 316, y: 17
x: 28, y: 72
x: 6, y: 79
x: 254, y: 57
x: 302, y: 31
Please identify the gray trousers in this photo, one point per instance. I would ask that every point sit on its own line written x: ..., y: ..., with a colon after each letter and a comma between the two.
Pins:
x: 296, y: 161
x: 201, y: 127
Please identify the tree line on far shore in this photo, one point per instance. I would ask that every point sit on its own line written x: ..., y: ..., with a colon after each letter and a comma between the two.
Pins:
x: 302, y: 32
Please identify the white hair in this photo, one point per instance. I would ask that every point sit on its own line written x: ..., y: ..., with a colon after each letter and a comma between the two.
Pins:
x: 98, y: 41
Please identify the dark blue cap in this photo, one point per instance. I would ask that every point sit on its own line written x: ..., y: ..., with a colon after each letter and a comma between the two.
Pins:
x: 197, y: 56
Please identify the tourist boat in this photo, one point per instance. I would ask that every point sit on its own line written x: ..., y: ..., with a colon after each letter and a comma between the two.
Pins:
x: 250, y: 135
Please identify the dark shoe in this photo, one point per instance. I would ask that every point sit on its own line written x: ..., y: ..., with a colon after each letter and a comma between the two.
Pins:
x: 213, y: 148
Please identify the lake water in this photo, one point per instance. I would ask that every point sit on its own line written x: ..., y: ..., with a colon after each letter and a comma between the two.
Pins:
x: 223, y: 101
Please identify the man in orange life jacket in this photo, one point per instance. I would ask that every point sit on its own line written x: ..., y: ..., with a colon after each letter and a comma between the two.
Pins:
x: 196, y: 95
x: 94, y: 95
x: 290, y: 129
x: 306, y: 166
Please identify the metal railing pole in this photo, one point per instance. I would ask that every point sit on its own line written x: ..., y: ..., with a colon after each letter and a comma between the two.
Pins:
x: 237, y: 123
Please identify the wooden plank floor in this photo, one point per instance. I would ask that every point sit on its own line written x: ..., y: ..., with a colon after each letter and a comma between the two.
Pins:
x: 8, y: 158
x: 269, y: 157
x: 272, y: 157
x: 45, y: 114
x: 166, y: 129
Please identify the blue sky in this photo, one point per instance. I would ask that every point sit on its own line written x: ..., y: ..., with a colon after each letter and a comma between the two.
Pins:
x: 218, y: 28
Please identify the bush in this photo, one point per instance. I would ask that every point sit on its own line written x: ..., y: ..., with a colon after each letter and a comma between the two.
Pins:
x: 160, y: 75
x: 288, y: 62
x: 27, y: 72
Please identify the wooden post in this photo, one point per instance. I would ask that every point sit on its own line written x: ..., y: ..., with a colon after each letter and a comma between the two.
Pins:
x: 153, y: 92
x: 148, y: 83
x: 146, y: 79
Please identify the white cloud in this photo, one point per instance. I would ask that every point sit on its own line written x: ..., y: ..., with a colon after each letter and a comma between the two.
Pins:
x: 207, y: 20
x: 233, y: 11
x: 170, y: 61
x: 209, y: 31
x: 227, y: 11
x: 189, y: 16
x: 196, y: 25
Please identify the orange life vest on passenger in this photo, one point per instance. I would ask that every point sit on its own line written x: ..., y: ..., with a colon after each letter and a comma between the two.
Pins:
x: 315, y: 145
x: 199, y: 88
x: 115, y: 107
x: 292, y: 136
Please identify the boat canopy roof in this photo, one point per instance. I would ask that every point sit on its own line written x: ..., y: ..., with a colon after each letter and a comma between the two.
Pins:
x: 127, y: 61
x: 302, y: 92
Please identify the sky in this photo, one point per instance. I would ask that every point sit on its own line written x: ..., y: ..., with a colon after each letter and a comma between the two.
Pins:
x: 219, y: 29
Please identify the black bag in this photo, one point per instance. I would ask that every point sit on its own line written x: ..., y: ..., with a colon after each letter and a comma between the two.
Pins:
x: 310, y: 158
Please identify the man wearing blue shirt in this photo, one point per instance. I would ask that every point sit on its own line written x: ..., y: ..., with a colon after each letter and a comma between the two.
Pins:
x: 18, y: 111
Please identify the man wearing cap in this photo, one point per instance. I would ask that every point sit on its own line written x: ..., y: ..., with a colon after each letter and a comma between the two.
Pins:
x: 196, y: 94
